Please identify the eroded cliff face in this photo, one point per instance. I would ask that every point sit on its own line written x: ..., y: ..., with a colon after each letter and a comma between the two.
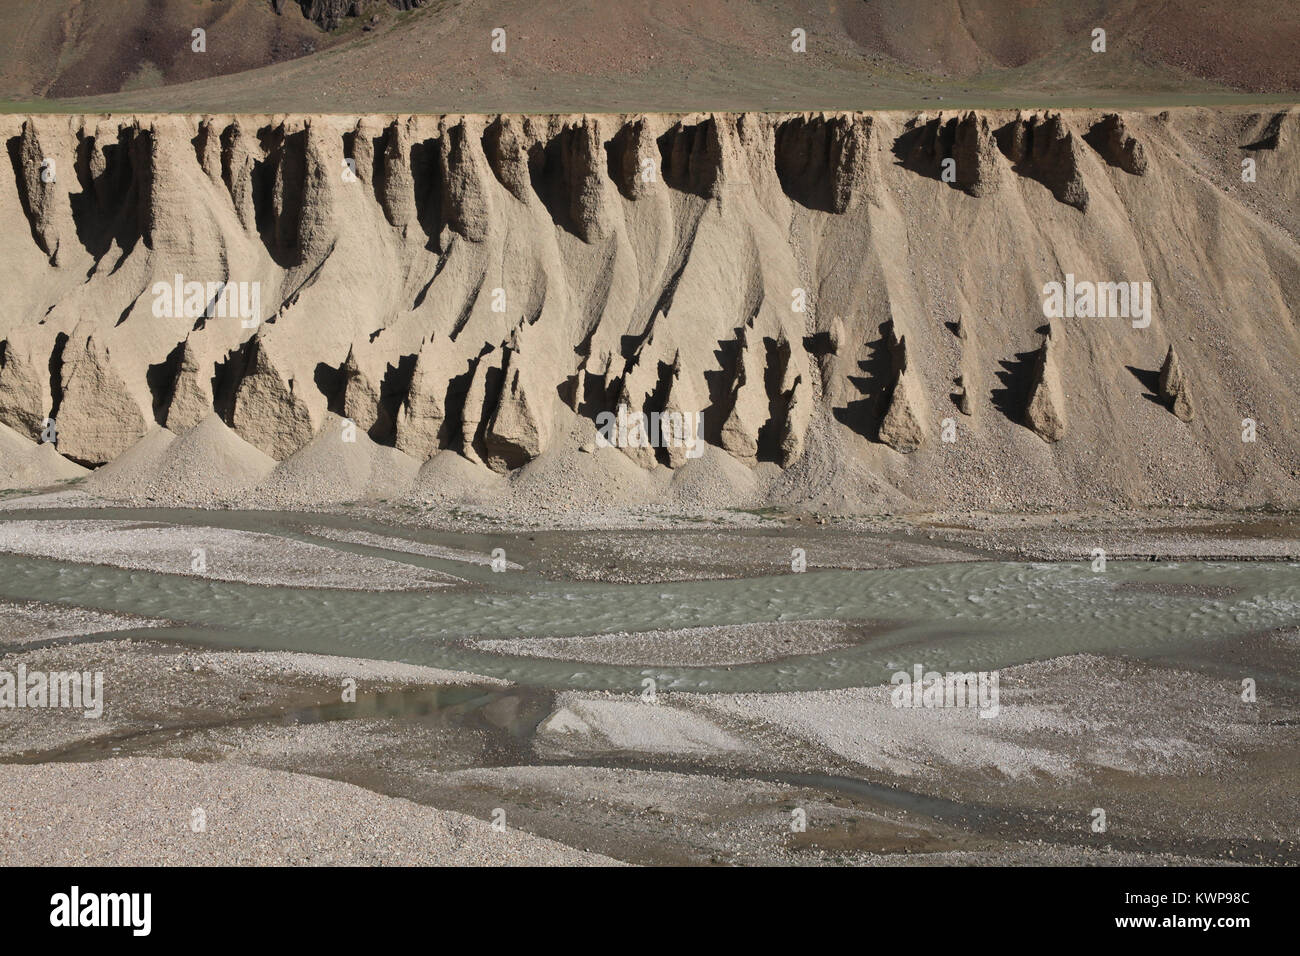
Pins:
x: 852, y: 304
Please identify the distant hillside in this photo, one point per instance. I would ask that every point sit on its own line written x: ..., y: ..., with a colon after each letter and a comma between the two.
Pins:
x: 432, y: 55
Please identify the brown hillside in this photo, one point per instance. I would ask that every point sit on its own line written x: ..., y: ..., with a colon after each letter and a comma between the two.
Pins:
x: 674, y: 54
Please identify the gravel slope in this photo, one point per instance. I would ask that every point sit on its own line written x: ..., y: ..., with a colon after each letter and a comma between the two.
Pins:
x: 139, y: 812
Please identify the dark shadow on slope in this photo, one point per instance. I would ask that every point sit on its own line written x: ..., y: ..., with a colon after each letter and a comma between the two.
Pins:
x: 958, y: 392
x: 467, y: 308
x: 595, y: 398
x: 922, y: 149
x: 452, y: 432
x: 656, y: 402
x: 378, y: 176
x: 769, y: 433
x: 493, y: 381
x: 1096, y: 138
x: 330, y: 382
x: 719, y: 384
x: 548, y: 172
x: 106, y: 210
x: 437, y: 271
x: 201, y: 139
x: 617, y: 151
x: 1150, y: 380
x: 393, y: 391
x: 426, y: 174
x: 279, y: 181
x: 874, y: 385
x: 1016, y: 376
x: 55, y: 368
x: 226, y: 376
x: 1046, y: 171
x: 161, y: 379
x: 803, y: 162
x: 1271, y: 135
x: 818, y: 344
x: 690, y: 158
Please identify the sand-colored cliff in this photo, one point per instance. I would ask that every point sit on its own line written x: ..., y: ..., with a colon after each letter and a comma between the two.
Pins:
x: 837, y: 295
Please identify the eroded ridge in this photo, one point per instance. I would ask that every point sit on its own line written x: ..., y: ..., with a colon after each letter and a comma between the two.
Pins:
x: 781, y: 289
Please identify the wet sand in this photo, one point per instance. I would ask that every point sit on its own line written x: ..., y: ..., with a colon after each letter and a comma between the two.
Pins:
x: 1185, y: 771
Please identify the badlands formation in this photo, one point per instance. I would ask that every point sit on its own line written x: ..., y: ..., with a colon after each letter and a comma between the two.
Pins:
x: 303, y: 309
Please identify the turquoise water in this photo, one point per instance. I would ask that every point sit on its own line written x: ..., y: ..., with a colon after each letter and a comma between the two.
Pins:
x: 973, y: 615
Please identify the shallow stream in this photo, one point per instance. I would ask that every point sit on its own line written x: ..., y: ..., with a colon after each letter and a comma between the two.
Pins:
x: 975, y: 615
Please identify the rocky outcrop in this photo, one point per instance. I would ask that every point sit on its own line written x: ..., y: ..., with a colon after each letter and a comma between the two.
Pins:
x: 301, y: 163
x: 789, y: 400
x: 169, y: 222
x: 466, y: 205
x: 484, y: 388
x: 330, y: 14
x: 1173, y: 387
x: 960, y: 151
x: 506, y: 146
x: 422, y: 426
x: 359, y: 146
x: 796, y: 417
x: 239, y: 157
x: 1045, y: 412
x: 25, y: 373
x: 627, y: 292
x: 191, y: 398
x: 37, y: 189
x: 396, y: 185
x: 519, y: 430
x: 270, y: 412
x: 315, y: 230
x: 638, y: 160
x: 903, y: 426
x: 749, y: 401
x: 362, y: 378
x: 1044, y: 148
x: 835, y: 335
x: 961, y: 395
x: 1273, y: 132
x: 99, y: 416
x: 683, y: 410
x: 584, y: 171
x: 207, y: 148
x: 976, y: 155
x: 1111, y: 138
x: 694, y: 158
x: 824, y: 163
x: 326, y: 14
x: 634, y: 389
